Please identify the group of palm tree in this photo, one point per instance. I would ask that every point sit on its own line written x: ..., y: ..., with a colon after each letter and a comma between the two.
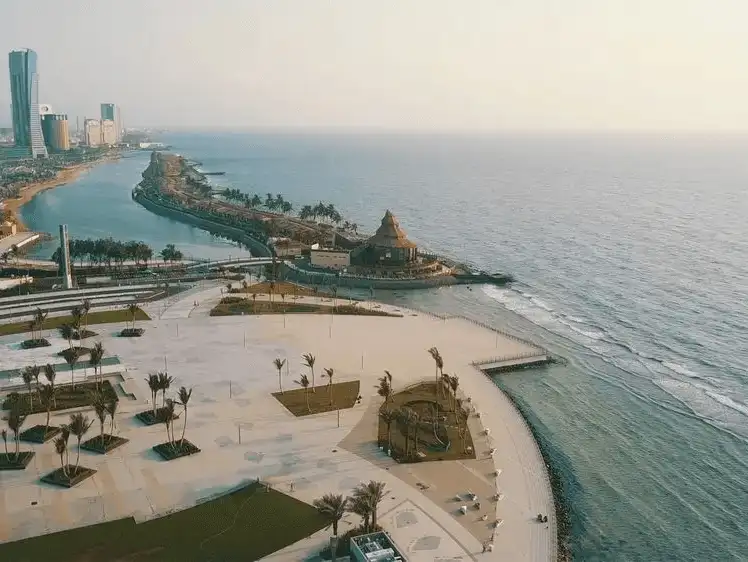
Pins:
x: 320, y: 210
x: 36, y: 325
x: 272, y: 203
x: 304, y: 381
x: 78, y: 426
x: 106, y: 251
x: 15, y: 421
x: 363, y: 502
x: 166, y: 414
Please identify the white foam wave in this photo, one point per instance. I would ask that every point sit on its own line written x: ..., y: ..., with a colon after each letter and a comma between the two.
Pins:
x: 729, y: 402
x: 680, y: 369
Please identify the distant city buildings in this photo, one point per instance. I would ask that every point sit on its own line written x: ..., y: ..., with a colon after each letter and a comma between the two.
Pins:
x: 92, y: 132
x: 111, y: 112
x: 108, y: 132
x: 56, y: 131
x: 24, y: 94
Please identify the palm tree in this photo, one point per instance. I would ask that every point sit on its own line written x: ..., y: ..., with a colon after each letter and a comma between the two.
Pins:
x: 61, y: 447
x: 331, y: 507
x: 254, y: 303
x: 385, y: 387
x: 454, y: 384
x: 309, y: 361
x: 184, y: 397
x: 77, y: 314
x: 111, y: 409
x: 329, y: 373
x: 97, y: 354
x: 272, y: 290
x: 439, y: 362
x: 39, y: 317
x: 373, y: 494
x: 133, y: 309
x: 86, y: 308
x: 101, y: 413
x: 304, y: 382
x: 50, y: 374
x: 388, y: 416
x: 28, y: 379
x: 46, y: 398
x: 278, y: 362
x: 79, y: 425
x: 67, y: 331
x: 15, y: 422
x: 164, y: 383
x: 361, y: 507
x: 71, y: 359
x: 167, y: 418
x: 153, y: 385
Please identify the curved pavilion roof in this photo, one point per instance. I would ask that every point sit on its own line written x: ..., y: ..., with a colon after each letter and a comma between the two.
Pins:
x: 390, y: 235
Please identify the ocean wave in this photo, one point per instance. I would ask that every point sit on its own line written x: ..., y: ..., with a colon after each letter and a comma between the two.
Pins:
x: 680, y: 369
x: 729, y: 402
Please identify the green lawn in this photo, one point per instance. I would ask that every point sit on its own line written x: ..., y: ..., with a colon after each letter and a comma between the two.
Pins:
x: 344, y: 395
x: 66, y: 397
x: 255, y: 524
x: 233, y: 306
x: 54, y: 322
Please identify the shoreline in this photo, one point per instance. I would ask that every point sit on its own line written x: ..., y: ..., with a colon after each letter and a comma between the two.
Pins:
x: 64, y: 177
x: 560, y: 501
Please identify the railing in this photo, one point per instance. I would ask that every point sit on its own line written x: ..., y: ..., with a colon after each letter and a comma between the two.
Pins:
x: 509, y: 357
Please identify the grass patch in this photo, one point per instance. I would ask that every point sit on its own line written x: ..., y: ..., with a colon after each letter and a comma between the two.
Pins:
x: 73, y: 477
x: 13, y: 462
x: 104, y: 444
x: 254, y: 522
x: 149, y: 418
x: 171, y: 451
x: 39, y: 434
x: 450, y: 441
x: 66, y: 397
x: 280, y: 287
x: 344, y: 396
x: 77, y: 351
x: 55, y: 322
x: 233, y: 306
x: 33, y: 344
x: 131, y: 333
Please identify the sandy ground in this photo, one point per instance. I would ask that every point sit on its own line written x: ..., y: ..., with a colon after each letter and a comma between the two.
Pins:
x: 30, y: 191
x: 228, y: 362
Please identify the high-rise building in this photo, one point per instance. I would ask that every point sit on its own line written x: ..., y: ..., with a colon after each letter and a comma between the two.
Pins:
x: 24, y: 94
x: 108, y: 132
x: 56, y: 131
x: 111, y: 112
x: 92, y: 132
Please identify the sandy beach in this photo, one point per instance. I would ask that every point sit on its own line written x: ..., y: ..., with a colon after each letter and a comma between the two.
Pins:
x: 421, y: 509
x: 64, y: 177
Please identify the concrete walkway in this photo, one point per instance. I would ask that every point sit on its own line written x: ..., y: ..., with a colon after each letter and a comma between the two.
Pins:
x: 228, y: 362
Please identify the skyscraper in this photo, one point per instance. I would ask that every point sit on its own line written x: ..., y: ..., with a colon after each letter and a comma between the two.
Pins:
x: 24, y: 95
x: 110, y: 112
x: 92, y: 132
x: 56, y: 132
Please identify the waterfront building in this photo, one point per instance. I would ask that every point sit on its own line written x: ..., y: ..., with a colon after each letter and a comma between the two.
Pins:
x: 388, y: 247
x: 92, y: 132
x: 24, y: 93
x: 111, y: 112
x: 108, y: 132
x: 8, y: 228
x: 56, y: 131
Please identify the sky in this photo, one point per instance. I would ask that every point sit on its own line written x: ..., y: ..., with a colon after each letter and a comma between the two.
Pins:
x: 495, y: 65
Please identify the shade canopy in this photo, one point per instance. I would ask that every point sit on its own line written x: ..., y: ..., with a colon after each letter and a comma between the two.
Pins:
x: 390, y: 235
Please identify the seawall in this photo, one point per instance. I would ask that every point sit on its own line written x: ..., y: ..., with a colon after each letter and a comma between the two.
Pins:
x: 236, y: 234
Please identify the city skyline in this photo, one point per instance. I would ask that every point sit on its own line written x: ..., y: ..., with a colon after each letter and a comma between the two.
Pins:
x: 539, y: 64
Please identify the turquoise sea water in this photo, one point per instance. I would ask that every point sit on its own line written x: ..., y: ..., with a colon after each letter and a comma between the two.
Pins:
x: 631, y: 255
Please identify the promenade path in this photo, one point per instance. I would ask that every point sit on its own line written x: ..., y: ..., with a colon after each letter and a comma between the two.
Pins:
x: 247, y: 434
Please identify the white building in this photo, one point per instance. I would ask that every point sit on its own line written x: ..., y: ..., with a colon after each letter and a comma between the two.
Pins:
x: 109, y: 132
x: 92, y: 132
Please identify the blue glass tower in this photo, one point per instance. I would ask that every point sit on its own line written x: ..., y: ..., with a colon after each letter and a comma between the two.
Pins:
x: 24, y: 94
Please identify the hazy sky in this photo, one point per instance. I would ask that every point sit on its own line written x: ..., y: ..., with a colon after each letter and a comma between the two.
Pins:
x: 403, y: 64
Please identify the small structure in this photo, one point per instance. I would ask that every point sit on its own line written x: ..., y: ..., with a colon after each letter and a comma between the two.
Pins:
x: 7, y: 228
x: 329, y: 258
x: 389, y: 246
x: 375, y: 547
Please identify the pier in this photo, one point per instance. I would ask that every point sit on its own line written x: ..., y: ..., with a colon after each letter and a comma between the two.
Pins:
x: 19, y: 240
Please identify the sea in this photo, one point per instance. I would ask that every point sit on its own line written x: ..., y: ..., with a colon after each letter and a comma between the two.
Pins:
x: 630, y: 254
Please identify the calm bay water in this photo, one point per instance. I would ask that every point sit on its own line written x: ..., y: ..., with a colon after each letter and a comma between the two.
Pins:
x: 631, y: 256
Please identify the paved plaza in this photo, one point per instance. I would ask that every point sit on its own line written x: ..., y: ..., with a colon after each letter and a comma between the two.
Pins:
x: 247, y: 434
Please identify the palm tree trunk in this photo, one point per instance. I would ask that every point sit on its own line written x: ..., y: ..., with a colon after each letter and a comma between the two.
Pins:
x: 72, y: 375
x: 78, y: 456
x: 313, y: 388
x: 16, y: 437
x: 62, y: 464
x: 306, y: 395
x: 184, y: 427
x: 330, y: 393
x: 280, y: 384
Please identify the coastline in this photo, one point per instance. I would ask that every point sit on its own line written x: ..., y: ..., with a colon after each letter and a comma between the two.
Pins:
x: 65, y: 176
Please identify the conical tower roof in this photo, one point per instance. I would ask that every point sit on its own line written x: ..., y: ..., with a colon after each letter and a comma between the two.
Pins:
x: 390, y: 235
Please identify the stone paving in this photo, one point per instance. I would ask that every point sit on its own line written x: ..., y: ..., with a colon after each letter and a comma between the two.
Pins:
x: 228, y: 362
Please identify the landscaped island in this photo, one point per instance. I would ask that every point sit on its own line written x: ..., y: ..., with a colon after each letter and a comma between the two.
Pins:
x: 317, y: 246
